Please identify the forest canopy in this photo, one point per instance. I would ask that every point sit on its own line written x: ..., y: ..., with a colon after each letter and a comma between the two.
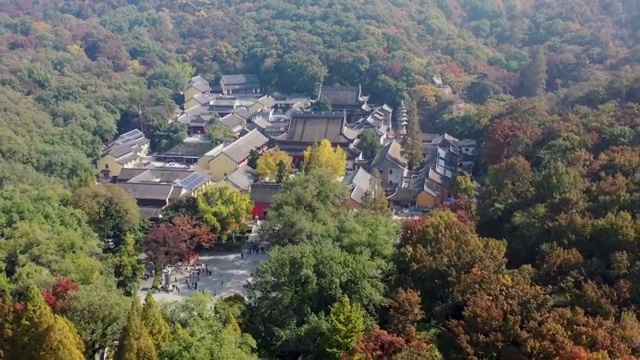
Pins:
x: 538, y: 259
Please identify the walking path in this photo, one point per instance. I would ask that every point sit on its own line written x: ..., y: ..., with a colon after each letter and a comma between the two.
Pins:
x: 229, y: 273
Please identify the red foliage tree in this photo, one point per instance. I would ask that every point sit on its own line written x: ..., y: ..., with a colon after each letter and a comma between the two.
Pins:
x: 60, y: 295
x: 166, y: 244
x: 199, y: 235
x: 462, y: 206
x: 405, y: 311
x: 378, y: 344
x: 499, y: 76
x: 507, y: 138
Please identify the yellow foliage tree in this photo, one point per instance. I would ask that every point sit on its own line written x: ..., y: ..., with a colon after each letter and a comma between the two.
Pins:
x: 42, y: 335
x: 327, y: 157
x: 135, y: 67
x: 267, y: 166
x: 74, y: 49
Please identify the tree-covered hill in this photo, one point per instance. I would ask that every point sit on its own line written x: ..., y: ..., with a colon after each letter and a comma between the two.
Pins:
x: 550, y: 89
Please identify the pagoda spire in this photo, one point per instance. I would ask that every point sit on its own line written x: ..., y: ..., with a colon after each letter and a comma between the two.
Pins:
x: 402, y: 119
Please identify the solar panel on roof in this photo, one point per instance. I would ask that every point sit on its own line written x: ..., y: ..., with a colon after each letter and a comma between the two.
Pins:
x: 131, y: 134
x: 127, y: 141
x: 192, y: 181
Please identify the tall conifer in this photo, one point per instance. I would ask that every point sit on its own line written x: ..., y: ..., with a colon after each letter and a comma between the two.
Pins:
x: 135, y: 341
x: 43, y: 335
x: 154, y: 322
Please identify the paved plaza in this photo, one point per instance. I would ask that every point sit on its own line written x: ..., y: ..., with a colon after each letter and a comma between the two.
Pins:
x: 229, y: 274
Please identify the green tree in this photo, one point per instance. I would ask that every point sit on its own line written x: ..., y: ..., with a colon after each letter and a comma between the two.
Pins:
x: 253, y: 159
x: 375, y: 199
x: 346, y: 327
x: 324, y: 156
x: 202, y: 334
x: 42, y: 237
x: 41, y: 334
x: 234, y: 305
x: 153, y: 321
x: 112, y: 212
x: 283, y: 172
x: 322, y: 105
x: 218, y: 132
x: 223, y: 209
x: 164, y: 136
x: 465, y: 185
x: 305, y: 208
x: 135, y: 342
x: 369, y: 144
x: 99, y: 312
x: 508, y: 187
x: 293, y: 290
x: 534, y: 76
x: 127, y: 269
x: 412, y: 142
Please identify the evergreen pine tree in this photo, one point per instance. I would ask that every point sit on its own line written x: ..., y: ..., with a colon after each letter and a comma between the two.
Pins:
x: 232, y: 324
x: 253, y: 159
x: 7, y: 327
x: 154, y: 322
x: 62, y: 342
x: 346, y: 326
x: 135, y: 342
x: 534, y: 75
x: 127, y: 269
x: 43, y: 335
x: 412, y: 142
x: 312, y: 157
x: 283, y: 173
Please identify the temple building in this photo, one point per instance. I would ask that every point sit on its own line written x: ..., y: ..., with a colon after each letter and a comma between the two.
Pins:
x: 347, y: 99
x: 307, y: 128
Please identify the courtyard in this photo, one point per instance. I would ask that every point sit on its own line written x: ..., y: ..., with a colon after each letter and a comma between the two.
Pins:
x: 230, y: 272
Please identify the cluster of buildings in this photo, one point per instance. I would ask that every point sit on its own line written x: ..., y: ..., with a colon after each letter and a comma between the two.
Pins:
x: 260, y: 122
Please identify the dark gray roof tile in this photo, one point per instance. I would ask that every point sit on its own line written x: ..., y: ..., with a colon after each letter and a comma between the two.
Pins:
x: 263, y: 193
x: 240, y: 149
x: 239, y: 79
x: 338, y: 95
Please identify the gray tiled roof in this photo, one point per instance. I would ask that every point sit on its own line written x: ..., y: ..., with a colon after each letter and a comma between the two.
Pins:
x: 150, y: 211
x: 267, y: 101
x: 239, y: 150
x: 361, y: 181
x: 243, y: 113
x: 314, y: 127
x: 225, y: 102
x: 263, y: 193
x: 261, y: 122
x: 161, y: 175
x: 242, y: 178
x: 392, y: 152
x: 338, y: 95
x: 239, y: 79
x: 119, y: 151
x: 123, y: 160
x: 404, y: 195
x: 127, y: 174
x: 148, y: 191
x: 467, y: 142
x: 232, y: 121
x: 203, y: 99
x: 192, y: 149
x: 199, y: 83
